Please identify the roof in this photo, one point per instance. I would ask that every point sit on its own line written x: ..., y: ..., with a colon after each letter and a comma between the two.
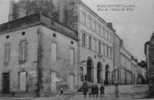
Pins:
x: 37, y: 19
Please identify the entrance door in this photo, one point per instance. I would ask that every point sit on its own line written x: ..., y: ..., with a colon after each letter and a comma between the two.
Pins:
x: 71, y: 82
x: 23, y: 81
x: 6, y: 82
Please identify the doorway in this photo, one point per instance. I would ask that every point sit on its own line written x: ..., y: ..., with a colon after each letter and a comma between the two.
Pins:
x: 6, y: 82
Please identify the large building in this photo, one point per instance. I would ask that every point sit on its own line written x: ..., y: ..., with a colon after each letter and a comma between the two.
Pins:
x: 95, y: 35
x: 100, y: 50
x: 38, y: 56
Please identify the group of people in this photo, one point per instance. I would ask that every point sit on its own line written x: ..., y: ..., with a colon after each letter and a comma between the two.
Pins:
x: 94, y: 90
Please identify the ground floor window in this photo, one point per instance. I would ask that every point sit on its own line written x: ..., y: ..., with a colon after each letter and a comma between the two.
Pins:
x: 53, y: 81
x: 71, y: 81
x: 6, y: 82
x: 22, y: 81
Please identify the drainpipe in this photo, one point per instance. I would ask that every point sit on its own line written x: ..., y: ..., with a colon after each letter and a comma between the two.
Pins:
x: 39, y: 69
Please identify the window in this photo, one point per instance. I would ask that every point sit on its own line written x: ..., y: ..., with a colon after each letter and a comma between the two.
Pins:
x: 53, y: 52
x: 53, y: 81
x: 83, y: 40
x: 95, y: 28
x: 90, y: 42
x: 90, y: 22
x: 22, y: 81
x: 81, y: 17
x: 93, y: 25
x: 22, y: 51
x: 99, y: 29
x: 7, y: 53
x: 72, y: 57
x: 95, y: 44
x: 84, y: 18
x: 87, y: 41
x: 102, y: 49
x: 105, y: 50
x: 99, y: 47
x: 108, y: 51
x: 111, y: 50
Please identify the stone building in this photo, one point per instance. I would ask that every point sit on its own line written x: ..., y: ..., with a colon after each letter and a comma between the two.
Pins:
x: 38, y: 56
x: 99, y: 47
x: 149, y: 54
x: 117, y: 44
x: 126, y: 70
x: 96, y: 45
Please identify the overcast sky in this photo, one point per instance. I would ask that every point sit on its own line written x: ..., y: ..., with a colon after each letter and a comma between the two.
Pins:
x: 134, y: 27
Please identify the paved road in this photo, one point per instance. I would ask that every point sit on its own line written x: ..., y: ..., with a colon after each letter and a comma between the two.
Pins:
x: 128, y: 92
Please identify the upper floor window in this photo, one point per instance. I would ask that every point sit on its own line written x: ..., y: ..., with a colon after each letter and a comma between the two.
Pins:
x: 93, y: 25
x: 99, y: 47
x: 84, y: 18
x: 72, y: 57
x: 95, y: 28
x: 99, y: 29
x: 90, y: 22
x: 22, y: 51
x: 111, y: 52
x: 90, y: 42
x: 95, y: 45
x: 53, y: 52
x: 102, y: 49
x: 106, y: 50
x: 83, y: 40
x: 87, y: 41
x: 7, y: 53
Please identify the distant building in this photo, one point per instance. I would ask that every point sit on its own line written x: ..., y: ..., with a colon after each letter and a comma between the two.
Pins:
x: 125, y: 72
x: 38, y: 56
x: 149, y: 53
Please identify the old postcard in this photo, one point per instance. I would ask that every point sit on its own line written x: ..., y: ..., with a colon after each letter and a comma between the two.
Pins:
x: 77, y: 49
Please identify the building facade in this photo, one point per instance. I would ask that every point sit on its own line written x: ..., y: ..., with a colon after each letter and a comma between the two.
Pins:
x: 96, y: 46
x: 101, y: 56
x: 126, y: 75
x: 39, y: 56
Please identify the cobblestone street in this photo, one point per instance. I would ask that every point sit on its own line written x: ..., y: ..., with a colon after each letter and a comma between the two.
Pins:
x: 128, y: 92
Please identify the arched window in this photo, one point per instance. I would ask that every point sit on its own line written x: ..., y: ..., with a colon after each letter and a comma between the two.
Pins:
x: 99, y: 70
x: 107, y: 74
x: 89, y: 69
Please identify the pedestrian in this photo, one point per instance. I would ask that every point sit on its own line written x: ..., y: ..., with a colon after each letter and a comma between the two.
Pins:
x: 93, y: 90
x: 90, y: 93
x: 61, y: 91
x: 116, y: 90
x: 85, y: 89
x: 102, y: 89
x: 97, y: 90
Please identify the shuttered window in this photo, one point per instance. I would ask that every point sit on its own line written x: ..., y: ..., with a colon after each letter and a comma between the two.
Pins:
x: 23, y: 51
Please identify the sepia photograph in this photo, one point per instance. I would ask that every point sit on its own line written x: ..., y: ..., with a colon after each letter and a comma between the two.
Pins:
x: 76, y: 49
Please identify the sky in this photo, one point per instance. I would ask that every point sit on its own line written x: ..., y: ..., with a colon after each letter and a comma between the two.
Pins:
x: 135, y: 26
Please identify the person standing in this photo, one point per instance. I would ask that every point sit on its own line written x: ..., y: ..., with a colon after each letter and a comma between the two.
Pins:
x: 102, y: 89
x: 61, y: 91
x: 85, y: 89
x: 97, y: 91
x: 116, y: 90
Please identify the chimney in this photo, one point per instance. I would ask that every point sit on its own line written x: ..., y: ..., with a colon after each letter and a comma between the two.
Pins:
x: 110, y: 26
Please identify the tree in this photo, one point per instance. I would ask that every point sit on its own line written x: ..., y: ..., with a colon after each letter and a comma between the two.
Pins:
x: 143, y: 64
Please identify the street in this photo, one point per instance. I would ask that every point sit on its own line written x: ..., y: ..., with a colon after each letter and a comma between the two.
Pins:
x: 127, y: 92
